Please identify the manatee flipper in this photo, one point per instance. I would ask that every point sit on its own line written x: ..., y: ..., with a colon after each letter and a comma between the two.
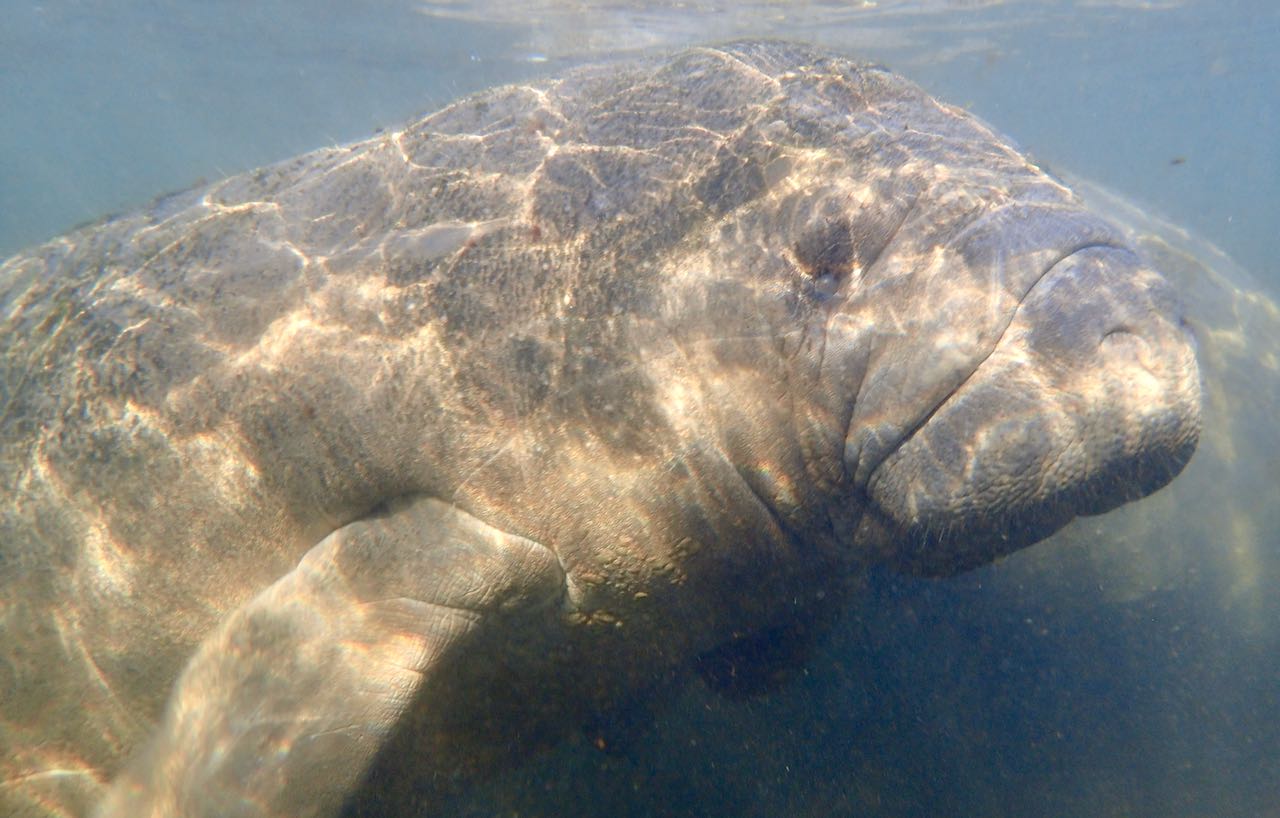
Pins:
x: 282, y: 710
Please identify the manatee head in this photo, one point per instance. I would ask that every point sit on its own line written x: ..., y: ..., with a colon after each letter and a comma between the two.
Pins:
x: 970, y: 358
x: 982, y: 384
x: 1082, y: 395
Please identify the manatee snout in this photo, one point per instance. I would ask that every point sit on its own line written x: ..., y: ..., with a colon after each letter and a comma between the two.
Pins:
x: 1090, y: 398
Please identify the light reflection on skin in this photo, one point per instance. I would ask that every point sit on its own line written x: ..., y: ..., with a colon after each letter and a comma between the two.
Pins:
x: 570, y: 448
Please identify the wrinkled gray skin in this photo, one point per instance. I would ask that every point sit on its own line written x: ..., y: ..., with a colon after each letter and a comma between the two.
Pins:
x: 333, y: 485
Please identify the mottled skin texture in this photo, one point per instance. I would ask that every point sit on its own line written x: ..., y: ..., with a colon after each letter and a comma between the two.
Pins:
x: 418, y: 452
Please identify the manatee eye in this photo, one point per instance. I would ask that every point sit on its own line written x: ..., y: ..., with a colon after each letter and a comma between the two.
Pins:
x: 825, y: 253
x: 826, y: 285
x: 825, y: 246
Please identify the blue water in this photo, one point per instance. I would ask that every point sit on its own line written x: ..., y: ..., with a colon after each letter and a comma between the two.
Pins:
x: 988, y: 695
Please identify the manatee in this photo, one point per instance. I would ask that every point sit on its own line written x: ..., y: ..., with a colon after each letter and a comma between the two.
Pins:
x: 1075, y: 662
x: 335, y: 486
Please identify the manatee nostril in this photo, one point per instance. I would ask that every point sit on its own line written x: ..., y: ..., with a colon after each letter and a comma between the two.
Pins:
x: 1122, y: 334
x: 1125, y: 342
x: 1134, y: 360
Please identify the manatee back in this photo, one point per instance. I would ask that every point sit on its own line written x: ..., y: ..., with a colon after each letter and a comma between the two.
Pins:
x: 194, y: 394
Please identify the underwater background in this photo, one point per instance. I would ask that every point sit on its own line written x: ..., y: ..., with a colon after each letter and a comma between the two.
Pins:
x: 1130, y: 668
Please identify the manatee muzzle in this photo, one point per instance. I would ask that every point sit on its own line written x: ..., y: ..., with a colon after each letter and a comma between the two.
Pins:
x: 1089, y: 399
